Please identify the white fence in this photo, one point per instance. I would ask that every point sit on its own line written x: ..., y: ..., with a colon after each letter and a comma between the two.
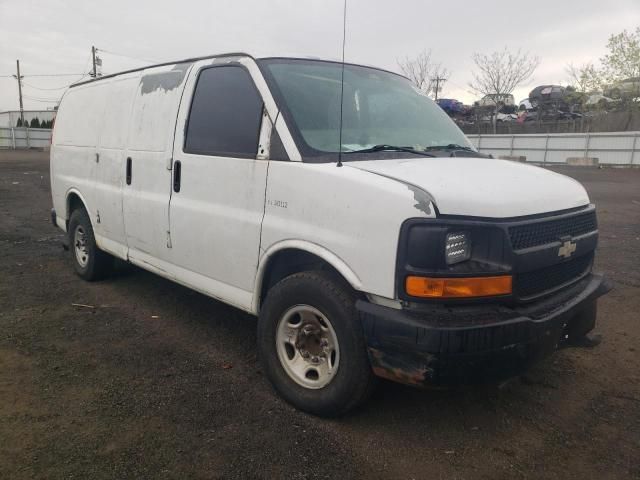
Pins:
x: 617, y: 148
x: 16, y: 137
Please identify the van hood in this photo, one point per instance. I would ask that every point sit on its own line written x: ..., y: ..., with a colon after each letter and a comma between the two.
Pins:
x: 482, y: 187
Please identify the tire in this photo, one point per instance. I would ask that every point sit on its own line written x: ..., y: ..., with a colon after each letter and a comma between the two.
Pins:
x: 322, y: 304
x: 89, y: 262
x: 583, y: 322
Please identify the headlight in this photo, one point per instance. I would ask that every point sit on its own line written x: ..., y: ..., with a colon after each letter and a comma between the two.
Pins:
x: 437, y: 252
x: 457, y: 247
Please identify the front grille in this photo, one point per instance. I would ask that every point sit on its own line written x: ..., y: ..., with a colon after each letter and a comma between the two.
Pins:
x: 542, y: 233
x: 536, y: 282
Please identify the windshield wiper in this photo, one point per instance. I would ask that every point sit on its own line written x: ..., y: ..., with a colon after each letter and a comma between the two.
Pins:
x: 392, y: 148
x: 450, y: 146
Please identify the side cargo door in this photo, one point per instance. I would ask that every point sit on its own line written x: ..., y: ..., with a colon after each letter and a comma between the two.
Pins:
x: 110, y: 164
x: 147, y: 165
x: 217, y: 203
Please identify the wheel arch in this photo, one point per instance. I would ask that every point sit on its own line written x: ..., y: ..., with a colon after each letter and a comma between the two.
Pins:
x: 73, y: 200
x: 292, y: 256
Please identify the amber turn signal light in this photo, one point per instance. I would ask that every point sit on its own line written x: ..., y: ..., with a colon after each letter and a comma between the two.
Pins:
x: 428, y: 287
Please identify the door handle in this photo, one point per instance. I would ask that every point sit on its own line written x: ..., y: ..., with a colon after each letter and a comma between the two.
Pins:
x: 128, y: 170
x: 177, y: 174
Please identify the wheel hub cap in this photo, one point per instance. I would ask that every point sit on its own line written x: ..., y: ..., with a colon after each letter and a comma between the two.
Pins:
x: 307, y: 346
x: 80, y: 246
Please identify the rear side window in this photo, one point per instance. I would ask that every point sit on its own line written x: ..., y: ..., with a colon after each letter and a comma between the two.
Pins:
x: 225, y: 115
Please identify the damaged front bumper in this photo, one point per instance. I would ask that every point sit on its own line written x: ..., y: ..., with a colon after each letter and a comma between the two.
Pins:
x: 458, y: 345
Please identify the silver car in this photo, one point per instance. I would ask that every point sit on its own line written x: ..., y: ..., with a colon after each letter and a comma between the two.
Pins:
x: 627, y: 88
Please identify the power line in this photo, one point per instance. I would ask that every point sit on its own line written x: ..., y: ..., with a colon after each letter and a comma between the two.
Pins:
x: 53, y: 75
x: 126, y: 56
x: 465, y: 89
x: 48, y: 75
x: 19, y: 77
x: 31, y: 97
x: 40, y: 88
x: 42, y: 100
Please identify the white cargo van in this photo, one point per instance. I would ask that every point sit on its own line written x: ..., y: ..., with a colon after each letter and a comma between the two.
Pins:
x: 409, y: 256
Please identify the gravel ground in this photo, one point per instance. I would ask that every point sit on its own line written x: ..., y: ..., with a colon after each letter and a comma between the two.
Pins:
x: 156, y: 381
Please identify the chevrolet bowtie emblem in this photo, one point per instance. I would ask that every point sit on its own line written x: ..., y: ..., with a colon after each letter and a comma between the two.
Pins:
x: 567, y: 249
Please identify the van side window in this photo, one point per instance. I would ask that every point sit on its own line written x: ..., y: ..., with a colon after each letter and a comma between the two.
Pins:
x: 226, y: 113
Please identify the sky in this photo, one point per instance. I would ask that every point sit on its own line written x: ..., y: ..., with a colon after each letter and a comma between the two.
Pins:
x: 55, y: 36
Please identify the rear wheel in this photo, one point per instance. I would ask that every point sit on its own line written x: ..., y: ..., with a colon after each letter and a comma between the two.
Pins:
x: 311, y: 344
x: 88, y: 260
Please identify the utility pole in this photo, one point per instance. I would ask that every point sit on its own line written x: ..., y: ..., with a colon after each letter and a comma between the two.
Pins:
x: 438, y: 80
x: 19, y: 78
x: 93, y: 56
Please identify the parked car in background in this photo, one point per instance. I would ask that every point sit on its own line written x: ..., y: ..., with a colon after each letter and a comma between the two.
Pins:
x: 546, y: 94
x: 451, y: 106
x: 506, y: 117
x: 525, y: 105
x: 493, y: 100
x: 599, y: 100
x: 627, y: 88
x: 547, y: 115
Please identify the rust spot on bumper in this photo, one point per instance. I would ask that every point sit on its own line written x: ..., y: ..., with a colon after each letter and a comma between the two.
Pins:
x: 398, y: 368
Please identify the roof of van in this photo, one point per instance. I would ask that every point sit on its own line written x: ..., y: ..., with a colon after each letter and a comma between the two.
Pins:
x: 221, y: 55
x: 163, y: 64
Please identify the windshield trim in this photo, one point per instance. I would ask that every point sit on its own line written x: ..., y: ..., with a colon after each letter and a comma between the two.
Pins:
x: 266, y: 60
x: 307, y: 152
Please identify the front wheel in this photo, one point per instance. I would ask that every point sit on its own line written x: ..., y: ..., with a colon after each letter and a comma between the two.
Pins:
x: 311, y: 344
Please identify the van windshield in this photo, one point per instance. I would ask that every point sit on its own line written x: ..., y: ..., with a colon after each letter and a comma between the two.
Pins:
x: 380, y: 108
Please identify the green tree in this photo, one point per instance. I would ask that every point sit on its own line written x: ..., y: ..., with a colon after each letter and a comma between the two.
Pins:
x: 623, y: 59
x: 19, y: 122
x: 35, y: 123
x: 585, y: 78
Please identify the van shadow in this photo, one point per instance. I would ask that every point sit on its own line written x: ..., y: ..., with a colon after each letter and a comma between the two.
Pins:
x: 404, y: 408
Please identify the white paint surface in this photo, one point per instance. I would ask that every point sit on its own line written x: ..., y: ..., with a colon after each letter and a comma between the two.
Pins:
x: 483, y: 187
x: 233, y: 215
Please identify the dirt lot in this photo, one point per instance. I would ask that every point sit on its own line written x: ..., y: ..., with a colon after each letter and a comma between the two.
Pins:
x: 157, y: 381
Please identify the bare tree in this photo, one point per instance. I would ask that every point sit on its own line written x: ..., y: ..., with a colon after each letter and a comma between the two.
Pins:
x: 499, y: 73
x: 427, y: 75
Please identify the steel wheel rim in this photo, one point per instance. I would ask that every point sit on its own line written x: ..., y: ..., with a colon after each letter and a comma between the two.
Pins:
x: 80, y: 246
x: 307, y: 346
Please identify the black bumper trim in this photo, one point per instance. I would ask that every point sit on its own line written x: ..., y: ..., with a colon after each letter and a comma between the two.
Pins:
x: 414, y: 348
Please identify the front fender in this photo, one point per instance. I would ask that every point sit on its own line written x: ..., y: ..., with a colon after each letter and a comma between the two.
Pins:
x: 313, y: 248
